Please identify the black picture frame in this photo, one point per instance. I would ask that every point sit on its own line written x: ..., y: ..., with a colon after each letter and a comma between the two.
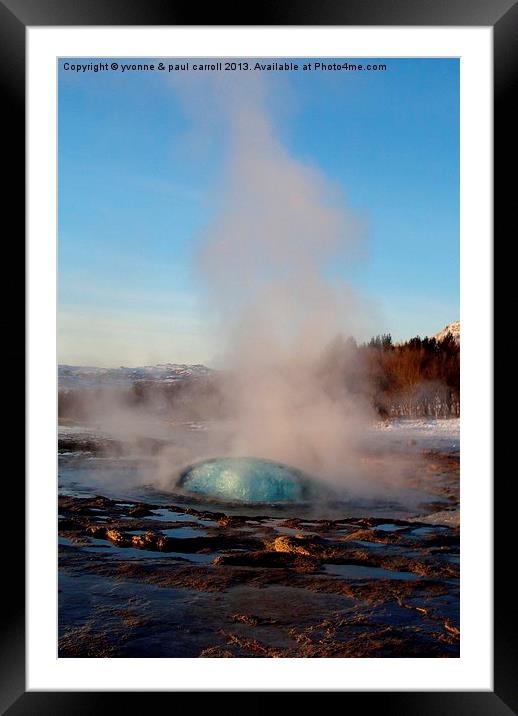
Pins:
x: 15, y: 16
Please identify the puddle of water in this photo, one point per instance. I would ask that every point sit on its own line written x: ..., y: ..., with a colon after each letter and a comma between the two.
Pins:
x: 167, y: 515
x: 363, y: 543
x: 179, y: 532
x: 422, y: 531
x: 198, y: 558
x: 389, y: 527
x: 100, y: 545
x: 291, y: 531
x: 358, y: 571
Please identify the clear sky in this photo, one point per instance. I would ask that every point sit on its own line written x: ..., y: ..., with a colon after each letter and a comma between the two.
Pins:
x: 138, y: 169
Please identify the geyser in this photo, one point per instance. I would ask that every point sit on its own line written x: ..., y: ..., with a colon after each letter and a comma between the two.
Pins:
x: 246, y: 479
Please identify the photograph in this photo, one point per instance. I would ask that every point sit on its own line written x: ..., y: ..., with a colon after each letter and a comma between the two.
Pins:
x: 258, y: 357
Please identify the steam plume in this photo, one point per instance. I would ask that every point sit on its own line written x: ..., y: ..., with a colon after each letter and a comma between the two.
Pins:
x: 268, y: 260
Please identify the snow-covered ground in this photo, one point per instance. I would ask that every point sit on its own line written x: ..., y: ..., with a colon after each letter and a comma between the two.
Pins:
x: 73, y: 376
x: 426, y: 433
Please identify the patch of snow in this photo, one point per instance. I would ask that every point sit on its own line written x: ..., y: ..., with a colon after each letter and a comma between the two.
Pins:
x: 73, y: 376
x: 453, y: 328
x: 426, y: 433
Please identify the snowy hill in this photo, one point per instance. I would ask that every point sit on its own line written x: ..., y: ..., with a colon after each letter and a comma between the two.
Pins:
x: 453, y: 328
x: 73, y: 376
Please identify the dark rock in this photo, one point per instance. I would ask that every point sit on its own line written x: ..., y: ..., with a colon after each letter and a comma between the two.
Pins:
x: 140, y: 511
x: 270, y: 560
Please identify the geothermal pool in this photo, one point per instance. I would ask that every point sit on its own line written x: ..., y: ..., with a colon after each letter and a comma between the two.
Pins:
x: 245, y: 479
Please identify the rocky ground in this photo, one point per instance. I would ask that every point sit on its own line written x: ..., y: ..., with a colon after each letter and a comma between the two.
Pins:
x: 145, y: 578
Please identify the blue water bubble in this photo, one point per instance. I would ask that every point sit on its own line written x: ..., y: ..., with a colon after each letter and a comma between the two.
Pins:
x: 246, y: 479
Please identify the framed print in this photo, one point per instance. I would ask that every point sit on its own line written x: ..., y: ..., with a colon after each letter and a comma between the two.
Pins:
x: 258, y: 458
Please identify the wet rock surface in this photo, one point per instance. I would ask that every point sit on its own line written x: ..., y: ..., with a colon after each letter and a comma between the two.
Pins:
x: 144, y: 579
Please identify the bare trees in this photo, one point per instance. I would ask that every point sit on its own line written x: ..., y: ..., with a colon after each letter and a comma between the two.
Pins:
x: 418, y: 378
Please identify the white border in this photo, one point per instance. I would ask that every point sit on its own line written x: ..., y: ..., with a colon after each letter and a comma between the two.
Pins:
x: 473, y: 670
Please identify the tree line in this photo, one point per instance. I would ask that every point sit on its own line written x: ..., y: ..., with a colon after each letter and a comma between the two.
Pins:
x: 420, y: 377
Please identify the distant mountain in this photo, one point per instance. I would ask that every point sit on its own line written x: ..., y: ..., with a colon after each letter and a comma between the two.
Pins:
x: 453, y: 328
x: 75, y: 376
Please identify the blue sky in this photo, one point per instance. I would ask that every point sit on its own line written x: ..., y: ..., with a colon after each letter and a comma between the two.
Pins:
x: 139, y: 167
